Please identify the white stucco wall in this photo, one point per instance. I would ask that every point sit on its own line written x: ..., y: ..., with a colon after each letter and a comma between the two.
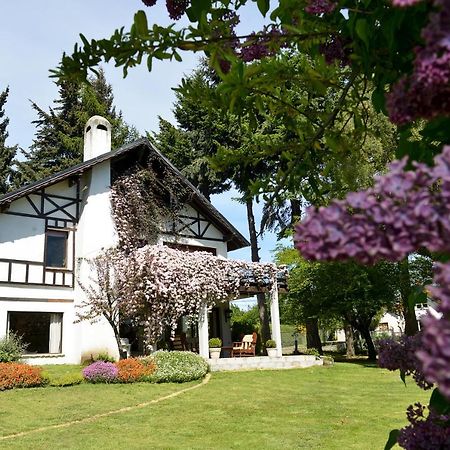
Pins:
x: 95, y: 233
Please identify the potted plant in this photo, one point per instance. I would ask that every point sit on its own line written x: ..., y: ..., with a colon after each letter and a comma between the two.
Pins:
x: 215, y: 345
x: 271, y: 348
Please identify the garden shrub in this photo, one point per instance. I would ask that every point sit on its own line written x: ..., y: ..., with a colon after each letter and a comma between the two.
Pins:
x: 14, y: 374
x: 67, y: 379
x: 104, y: 356
x: 11, y: 348
x: 312, y: 351
x: 133, y: 369
x: 177, y: 367
x: 100, y: 372
x: 215, y: 342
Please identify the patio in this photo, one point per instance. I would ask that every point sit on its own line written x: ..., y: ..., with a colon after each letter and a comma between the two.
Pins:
x: 264, y: 362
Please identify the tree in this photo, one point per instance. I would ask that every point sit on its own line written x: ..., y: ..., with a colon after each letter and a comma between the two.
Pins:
x: 200, y: 131
x: 355, y: 294
x: 103, y: 292
x: 58, y: 143
x: 7, y: 153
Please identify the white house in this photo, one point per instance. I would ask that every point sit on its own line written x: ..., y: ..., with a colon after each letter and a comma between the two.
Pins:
x: 49, y: 225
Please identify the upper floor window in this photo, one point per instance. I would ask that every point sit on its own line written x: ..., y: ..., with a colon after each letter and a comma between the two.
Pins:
x: 56, y: 248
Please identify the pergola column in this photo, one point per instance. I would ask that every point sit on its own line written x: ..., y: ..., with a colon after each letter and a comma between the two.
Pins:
x: 203, y: 336
x: 275, y: 318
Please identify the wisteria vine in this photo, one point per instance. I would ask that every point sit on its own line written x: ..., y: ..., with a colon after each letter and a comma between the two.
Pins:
x: 159, y: 285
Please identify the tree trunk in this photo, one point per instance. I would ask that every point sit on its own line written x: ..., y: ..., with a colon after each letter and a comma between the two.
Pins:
x: 409, y: 313
x: 262, y: 307
x: 349, y: 340
x: 371, y: 352
x: 312, y: 334
x: 296, y: 211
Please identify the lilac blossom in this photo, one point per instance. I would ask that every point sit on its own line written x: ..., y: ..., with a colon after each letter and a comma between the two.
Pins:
x: 176, y: 8
x: 262, y: 44
x: 401, y: 355
x: 426, y: 92
x: 435, y: 352
x: 424, y: 433
x: 335, y: 50
x: 403, y: 212
x: 318, y: 7
x: 405, y: 3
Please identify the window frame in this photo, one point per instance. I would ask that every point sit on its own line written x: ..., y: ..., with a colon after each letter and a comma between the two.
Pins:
x: 57, y: 232
x: 50, y: 313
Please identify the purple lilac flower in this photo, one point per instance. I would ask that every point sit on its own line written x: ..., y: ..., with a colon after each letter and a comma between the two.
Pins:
x: 401, y: 355
x: 424, y: 433
x: 176, y: 8
x: 262, y: 44
x: 435, y: 352
x: 405, y: 3
x: 335, y: 50
x: 402, y: 213
x: 100, y: 372
x: 318, y: 7
x: 426, y: 92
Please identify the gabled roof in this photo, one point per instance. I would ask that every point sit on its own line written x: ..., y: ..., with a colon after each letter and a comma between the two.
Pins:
x: 234, y: 238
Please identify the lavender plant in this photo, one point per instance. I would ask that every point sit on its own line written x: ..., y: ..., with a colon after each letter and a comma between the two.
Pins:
x: 100, y: 372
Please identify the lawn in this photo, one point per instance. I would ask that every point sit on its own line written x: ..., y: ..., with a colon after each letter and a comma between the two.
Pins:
x: 340, y: 407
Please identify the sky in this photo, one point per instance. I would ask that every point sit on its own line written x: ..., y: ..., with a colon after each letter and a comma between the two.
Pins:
x: 34, y: 36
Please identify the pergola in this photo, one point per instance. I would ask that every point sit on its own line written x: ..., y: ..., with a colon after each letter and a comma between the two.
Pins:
x: 251, y: 288
x: 163, y: 284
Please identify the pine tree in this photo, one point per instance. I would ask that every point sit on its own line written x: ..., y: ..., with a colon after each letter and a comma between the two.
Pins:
x: 7, y: 153
x: 58, y: 142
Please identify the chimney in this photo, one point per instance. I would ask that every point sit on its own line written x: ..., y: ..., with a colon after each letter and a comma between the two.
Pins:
x: 97, y: 137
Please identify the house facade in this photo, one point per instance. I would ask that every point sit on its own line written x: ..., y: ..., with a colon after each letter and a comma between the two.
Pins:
x: 49, y: 227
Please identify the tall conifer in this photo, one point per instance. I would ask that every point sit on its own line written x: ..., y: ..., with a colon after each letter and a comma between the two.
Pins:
x: 58, y: 141
x: 7, y: 153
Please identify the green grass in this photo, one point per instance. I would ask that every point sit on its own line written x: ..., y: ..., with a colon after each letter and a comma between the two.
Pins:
x: 346, y: 406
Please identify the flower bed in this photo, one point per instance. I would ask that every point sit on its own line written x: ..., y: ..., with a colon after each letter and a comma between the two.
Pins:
x: 15, y: 374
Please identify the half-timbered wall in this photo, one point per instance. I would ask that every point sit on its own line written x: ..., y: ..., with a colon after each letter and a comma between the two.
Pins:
x: 23, y: 228
x: 196, y: 230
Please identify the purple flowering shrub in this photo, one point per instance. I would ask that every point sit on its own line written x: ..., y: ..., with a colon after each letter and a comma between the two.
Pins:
x: 404, y: 212
x: 426, y: 92
x: 401, y: 355
x: 431, y: 432
x: 101, y: 372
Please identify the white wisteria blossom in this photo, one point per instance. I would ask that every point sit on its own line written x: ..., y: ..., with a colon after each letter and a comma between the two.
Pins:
x: 159, y: 285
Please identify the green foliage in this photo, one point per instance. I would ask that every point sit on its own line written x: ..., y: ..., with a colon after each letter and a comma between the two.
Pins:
x: 201, y: 130
x: 243, y: 322
x: 7, y: 153
x: 12, y: 348
x: 104, y: 356
x: 215, y: 343
x: 312, y: 351
x: 64, y: 380
x: 177, y: 367
x: 345, y: 291
x: 270, y: 344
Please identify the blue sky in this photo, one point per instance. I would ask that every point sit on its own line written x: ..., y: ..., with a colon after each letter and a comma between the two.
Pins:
x: 35, y: 34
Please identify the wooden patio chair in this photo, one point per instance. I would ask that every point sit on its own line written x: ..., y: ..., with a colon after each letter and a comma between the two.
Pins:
x: 246, y: 347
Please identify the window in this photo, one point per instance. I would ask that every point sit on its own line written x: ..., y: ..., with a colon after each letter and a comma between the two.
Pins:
x: 56, y: 248
x: 41, y: 331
